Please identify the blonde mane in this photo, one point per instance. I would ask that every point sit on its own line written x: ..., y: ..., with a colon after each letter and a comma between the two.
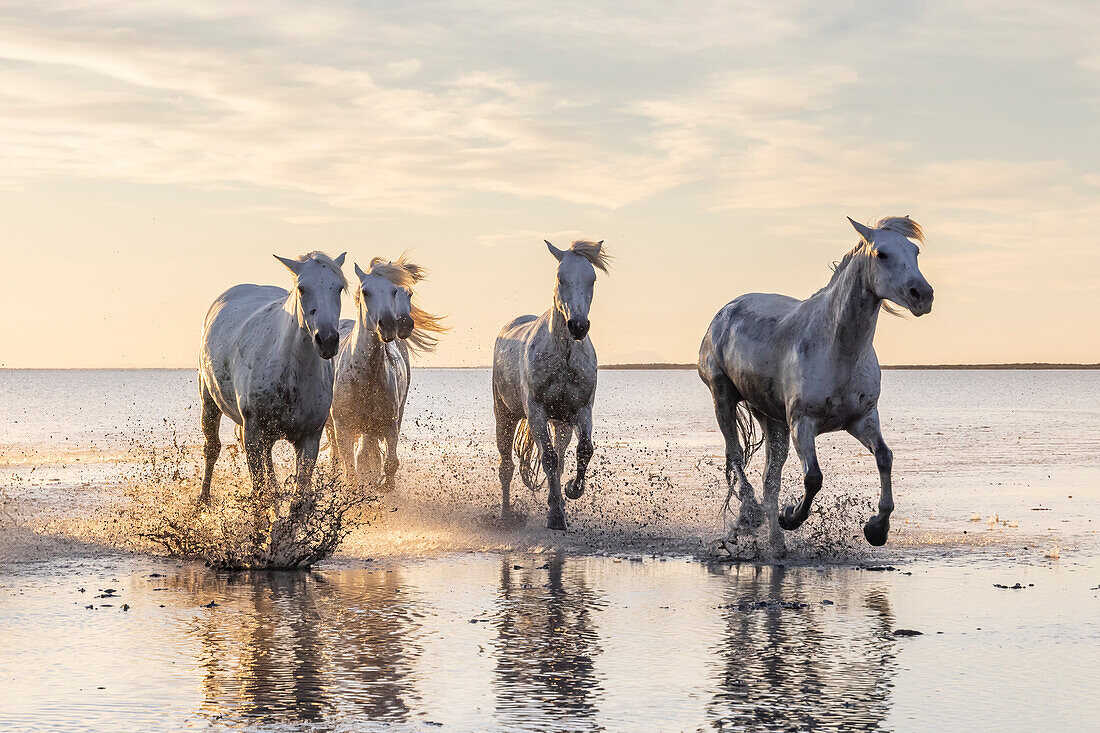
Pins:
x: 594, y: 252
x: 323, y: 259
x: 903, y: 225
x: 405, y: 274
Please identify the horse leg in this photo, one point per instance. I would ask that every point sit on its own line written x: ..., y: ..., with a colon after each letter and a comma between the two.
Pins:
x: 792, y: 517
x: 368, y: 460
x: 257, y: 454
x: 305, y: 458
x: 575, y: 488
x: 775, y: 455
x: 506, y: 431
x: 343, y: 447
x: 392, y: 463
x: 562, y: 435
x: 211, y: 420
x: 726, y: 398
x: 540, y: 430
x: 269, y: 466
x: 867, y: 431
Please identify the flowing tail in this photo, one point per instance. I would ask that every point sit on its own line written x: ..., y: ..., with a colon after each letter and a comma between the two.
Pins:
x: 750, y: 438
x: 530, y: 458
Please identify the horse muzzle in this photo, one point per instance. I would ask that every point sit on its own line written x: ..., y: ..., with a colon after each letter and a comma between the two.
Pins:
x: 387, y: 329
x: 920, y: 299
x: 405, y: 327
x: 328, y: 343
x: 578, y: 327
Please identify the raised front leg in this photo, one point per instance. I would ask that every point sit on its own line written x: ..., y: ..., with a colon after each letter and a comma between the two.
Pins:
x: 726, y: 398
x: 867, y: 431
x: 540, y: 431
x: 575, y: 488
x: 804, y: 433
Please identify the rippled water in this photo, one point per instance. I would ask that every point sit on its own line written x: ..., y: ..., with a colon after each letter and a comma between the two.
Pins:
x: 434, y: 614
x: 551, y: 642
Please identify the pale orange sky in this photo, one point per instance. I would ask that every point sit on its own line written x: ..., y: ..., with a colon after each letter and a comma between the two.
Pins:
x: 157, y: 153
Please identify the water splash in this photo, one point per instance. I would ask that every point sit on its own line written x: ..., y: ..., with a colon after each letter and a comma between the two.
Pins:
x: 283, y: 529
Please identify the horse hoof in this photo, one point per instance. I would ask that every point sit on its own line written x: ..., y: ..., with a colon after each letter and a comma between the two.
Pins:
x: 751, y: 516
x: 788, y: 520
x: 875, y: 530
x: 555, y: 519
x: 574, y: 490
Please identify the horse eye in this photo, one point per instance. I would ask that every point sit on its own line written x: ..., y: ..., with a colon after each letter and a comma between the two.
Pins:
x: 313, y: 311
x: 881, y: 255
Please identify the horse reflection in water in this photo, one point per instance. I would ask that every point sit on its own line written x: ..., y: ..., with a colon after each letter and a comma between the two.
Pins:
x: 546, y: 647
x: 784, y: 670
x: 289, y: 647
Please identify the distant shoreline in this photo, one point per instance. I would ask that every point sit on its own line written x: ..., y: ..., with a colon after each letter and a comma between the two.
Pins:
x: 657, y: 366
x: 1019, y: 366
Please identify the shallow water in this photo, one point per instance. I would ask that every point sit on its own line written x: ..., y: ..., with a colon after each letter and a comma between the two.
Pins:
x: 550, y: 642
x: 1016, y: 447
x: 436, y: 614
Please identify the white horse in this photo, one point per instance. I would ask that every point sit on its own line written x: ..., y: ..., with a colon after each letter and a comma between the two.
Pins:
x: 372, y: 368
x: 544, y: 378
x: 264, y: 362
x: 803, y: 368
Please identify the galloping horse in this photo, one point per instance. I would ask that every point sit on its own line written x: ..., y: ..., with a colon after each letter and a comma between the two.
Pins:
x: 544, y: 379
x: 264, y: 362
x: 372, y: 368
x: 803, y: 368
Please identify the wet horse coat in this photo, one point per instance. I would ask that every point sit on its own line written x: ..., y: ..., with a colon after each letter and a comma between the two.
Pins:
x: 373, y: 369
x: 807, y: 367
x: 544, y: 383
x: 264, y: 362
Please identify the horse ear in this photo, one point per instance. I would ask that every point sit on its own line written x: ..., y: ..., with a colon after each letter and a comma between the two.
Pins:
x: 293, y: 265
x: 340, y: 260
x: 600, y: 242
x: 359, y: 271
x: 864, y: 231
x: 558, y: 254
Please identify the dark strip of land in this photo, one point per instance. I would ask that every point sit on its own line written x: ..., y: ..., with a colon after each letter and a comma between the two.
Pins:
x: 1020, y: 366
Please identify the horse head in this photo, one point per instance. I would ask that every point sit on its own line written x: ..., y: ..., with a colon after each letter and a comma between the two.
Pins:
x: 893, y: 274
x: 576, y: 279
x: 318, y: 283
x: 384, y: 306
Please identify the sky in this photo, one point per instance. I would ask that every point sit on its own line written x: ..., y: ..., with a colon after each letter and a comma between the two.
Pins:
x: 153, y: 154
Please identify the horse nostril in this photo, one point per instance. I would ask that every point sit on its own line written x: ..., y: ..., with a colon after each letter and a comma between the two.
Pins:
x: 318, y: 339
x: 915, y: 293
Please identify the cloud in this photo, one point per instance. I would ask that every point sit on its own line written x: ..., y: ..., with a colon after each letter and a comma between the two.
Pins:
x: 143, y: 98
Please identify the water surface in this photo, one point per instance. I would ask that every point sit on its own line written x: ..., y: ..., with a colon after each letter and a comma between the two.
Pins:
x: 437, y: 617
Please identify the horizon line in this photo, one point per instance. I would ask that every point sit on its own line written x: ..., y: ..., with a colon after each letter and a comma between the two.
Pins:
x: 644, y: 366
